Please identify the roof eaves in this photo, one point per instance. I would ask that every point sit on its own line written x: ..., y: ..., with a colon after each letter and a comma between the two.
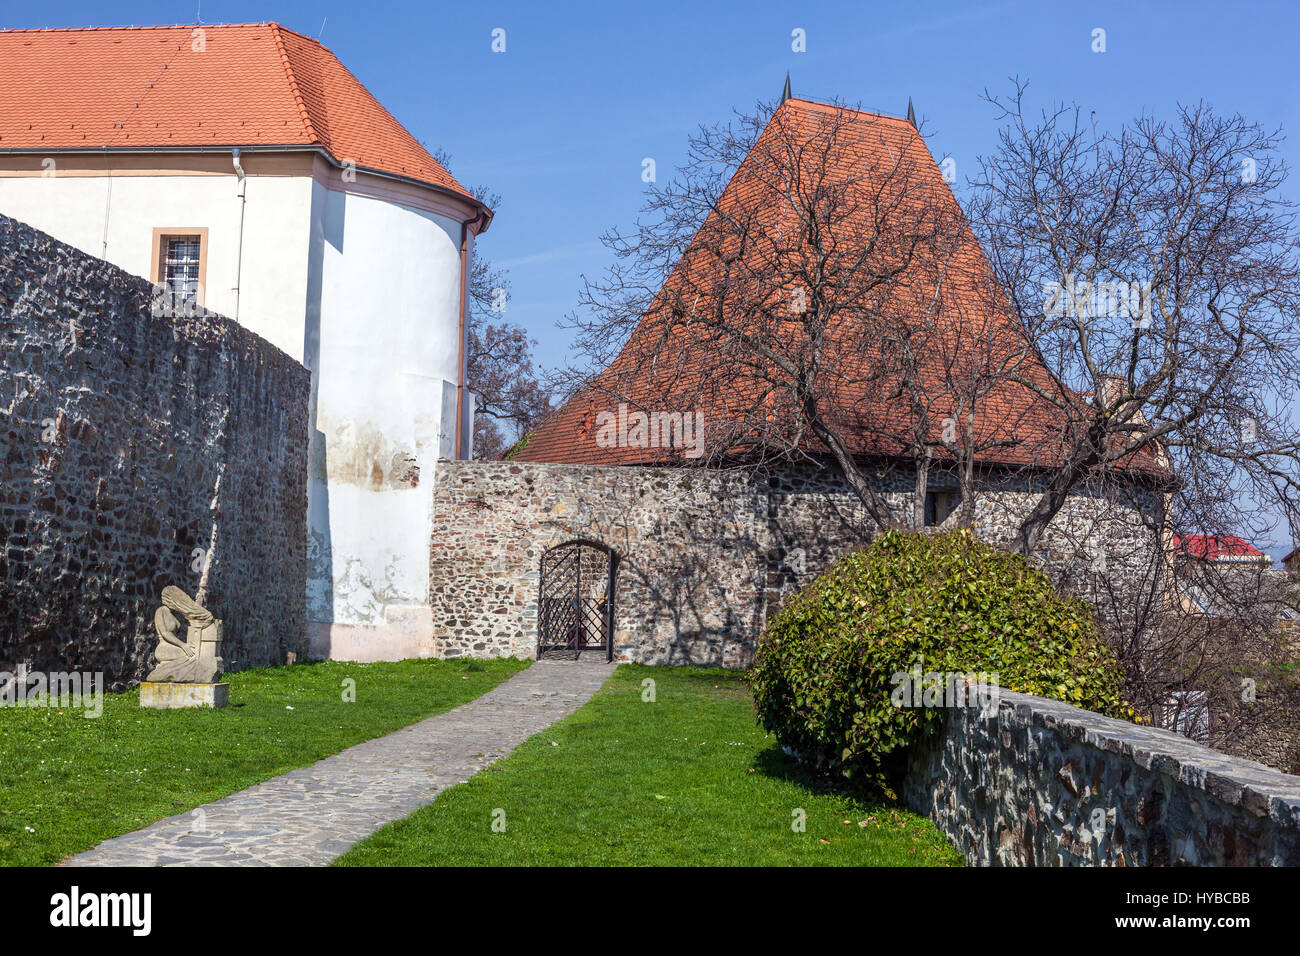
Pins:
x: 485, y: 214
x: 194, y: 148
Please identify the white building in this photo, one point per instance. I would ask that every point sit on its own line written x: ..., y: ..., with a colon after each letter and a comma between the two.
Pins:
x: 247, y: 170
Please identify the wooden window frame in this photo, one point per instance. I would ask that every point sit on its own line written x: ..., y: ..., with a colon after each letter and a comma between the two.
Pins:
x: 155, y: 269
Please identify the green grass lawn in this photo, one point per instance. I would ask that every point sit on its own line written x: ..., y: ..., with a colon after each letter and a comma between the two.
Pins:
x: 686, y: 780
x: 68, y: 782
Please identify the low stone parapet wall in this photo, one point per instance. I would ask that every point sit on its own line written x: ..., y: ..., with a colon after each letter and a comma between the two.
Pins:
x: 1047, y: 784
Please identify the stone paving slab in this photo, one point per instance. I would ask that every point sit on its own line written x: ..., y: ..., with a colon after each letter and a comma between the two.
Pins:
x: 309, y: 816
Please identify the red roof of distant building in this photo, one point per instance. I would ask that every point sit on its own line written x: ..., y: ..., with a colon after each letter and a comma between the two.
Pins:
x: 235, y: 85
x: 1209, y: 547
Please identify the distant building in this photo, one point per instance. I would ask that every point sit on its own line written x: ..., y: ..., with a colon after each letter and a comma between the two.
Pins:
x: 1292, y: 563
x: 1221, y: 576
x: 1221, y: 548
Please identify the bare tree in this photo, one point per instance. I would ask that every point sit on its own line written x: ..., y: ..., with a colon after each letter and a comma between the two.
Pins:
x: 500, y: 368
x: 1155, y: 271
x: 792, y: 283
x: 511, y: 394
x: 1209, y: 649
x: 958, y: 377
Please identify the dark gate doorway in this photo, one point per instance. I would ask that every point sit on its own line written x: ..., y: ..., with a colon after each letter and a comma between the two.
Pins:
x: 576, y: 612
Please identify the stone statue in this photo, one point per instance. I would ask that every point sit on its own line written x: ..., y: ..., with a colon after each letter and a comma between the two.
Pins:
x: 196, y: 658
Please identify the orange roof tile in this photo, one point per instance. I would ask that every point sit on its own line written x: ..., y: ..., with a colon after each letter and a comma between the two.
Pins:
x: 243, y: 85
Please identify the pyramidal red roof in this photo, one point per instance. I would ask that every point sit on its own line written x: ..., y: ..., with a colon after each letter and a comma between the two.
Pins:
x: 235, y: 85
x: 664, y: 357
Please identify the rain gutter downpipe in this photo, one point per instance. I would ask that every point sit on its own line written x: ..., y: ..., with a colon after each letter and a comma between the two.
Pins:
x: 477, y: 223
x: 243, y: 202
x: 460, y: 366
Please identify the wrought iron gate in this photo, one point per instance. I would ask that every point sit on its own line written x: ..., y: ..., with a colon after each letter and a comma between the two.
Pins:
x: 576, y: 610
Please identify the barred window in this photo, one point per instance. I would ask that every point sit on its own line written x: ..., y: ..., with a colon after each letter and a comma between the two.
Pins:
x: 178, y: 268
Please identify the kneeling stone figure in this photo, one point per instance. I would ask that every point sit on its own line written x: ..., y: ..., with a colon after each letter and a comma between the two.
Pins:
x: 196, y: 658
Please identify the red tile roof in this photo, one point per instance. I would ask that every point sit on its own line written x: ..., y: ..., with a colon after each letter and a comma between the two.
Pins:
x: 248, y: 86
x: 862, y: 398
x: 1209, y: 547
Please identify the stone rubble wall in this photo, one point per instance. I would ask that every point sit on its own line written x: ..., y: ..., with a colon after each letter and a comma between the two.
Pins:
x: 115, y: 425
x: 705, y: 555
x: 689, y: 586
x: 1047, y: 784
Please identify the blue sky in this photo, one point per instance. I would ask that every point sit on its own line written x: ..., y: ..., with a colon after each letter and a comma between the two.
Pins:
x: 559, y: 123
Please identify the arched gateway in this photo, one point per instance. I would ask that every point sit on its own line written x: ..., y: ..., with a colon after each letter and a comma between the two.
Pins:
x: 575, y: 610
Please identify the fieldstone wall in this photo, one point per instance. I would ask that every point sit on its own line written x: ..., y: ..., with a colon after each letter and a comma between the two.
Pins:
x: 1047, y: 784
x: 691, y: 545
x: 131, y: 444
x: 704, y: 555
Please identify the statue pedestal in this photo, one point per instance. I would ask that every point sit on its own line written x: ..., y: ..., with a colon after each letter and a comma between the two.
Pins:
x: 166, y: 695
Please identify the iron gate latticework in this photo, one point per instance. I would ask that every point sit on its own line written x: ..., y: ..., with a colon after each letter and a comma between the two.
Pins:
x: 576, y: 610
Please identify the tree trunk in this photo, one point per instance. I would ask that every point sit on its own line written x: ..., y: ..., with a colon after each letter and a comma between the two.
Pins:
x: 1047, y: 506
x: 918, y: 494
x: 876, y: 506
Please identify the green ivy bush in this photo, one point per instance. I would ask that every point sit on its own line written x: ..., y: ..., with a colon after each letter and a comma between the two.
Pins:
x: 829, y: 662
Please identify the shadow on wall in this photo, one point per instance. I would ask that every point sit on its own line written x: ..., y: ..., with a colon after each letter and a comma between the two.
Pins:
x: 706, y: 554
x: 692, y: 617
x: 328, y: 215
x: 694, y: 592
x: 320, y: 548
x: 806, y: 534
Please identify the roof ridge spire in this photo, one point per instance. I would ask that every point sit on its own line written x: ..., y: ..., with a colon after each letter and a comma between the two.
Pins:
x: 785, y: 93
x: 911, y: 114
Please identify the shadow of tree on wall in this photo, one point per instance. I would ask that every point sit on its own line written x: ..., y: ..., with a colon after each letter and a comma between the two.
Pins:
x: 696, y: 597
x: 686, y: 610
x: 697, y: 579
x: 812, y: 520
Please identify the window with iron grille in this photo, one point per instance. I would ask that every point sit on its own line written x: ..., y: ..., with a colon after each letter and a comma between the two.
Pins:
x: 178, y: 268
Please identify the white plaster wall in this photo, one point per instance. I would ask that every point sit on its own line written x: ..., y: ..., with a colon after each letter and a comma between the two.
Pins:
x: 383, y: 338
x: 274, y: 277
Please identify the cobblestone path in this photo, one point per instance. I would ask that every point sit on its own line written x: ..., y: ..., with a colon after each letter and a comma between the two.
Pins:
x: 309, y: 816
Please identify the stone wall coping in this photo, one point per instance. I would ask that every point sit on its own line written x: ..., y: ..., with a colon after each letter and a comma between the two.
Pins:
x: 1254, y: 787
